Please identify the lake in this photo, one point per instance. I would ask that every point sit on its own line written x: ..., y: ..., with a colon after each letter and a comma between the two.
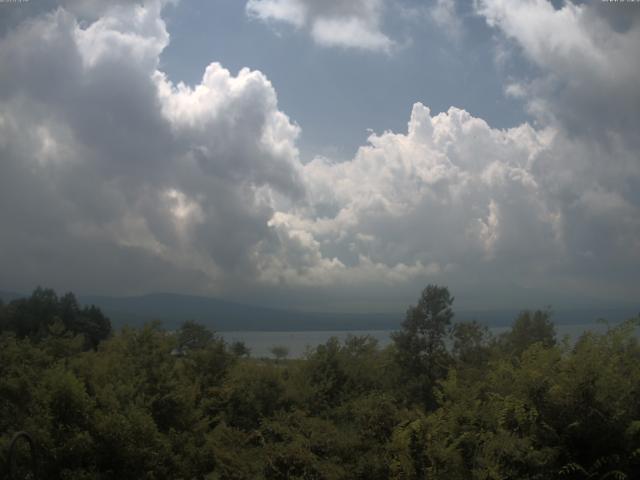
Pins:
x: 298, y: 342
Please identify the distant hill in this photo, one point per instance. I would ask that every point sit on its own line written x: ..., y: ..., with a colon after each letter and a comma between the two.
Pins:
x: 6, y: 297
x: 221, y: 315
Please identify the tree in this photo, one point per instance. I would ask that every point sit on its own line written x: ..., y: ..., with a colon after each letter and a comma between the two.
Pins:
x: 193, y: 335
x: 94, y: 325
x: 336, y: 373
x: 240, y: 349
x: 420, y: 348
x: 29, y: 317
x: 279, y: 351
x: 470, y: 343
x: 253, y: 392
x: 32, y: 316
x: 529, y: 328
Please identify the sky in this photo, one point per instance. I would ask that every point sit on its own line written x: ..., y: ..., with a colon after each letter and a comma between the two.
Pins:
x: 323, y: 154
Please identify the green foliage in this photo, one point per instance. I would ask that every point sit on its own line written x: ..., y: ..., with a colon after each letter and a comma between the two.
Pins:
x: 420, y: 345
x: 252, y: 393
x: 35, y: 316
x: 194, y: 336
x: 518, y: 407
x: 240, y: 349
x: 470, y: 346
x: 335, y: 373
x: 298, y: 446
x: 529, y: 328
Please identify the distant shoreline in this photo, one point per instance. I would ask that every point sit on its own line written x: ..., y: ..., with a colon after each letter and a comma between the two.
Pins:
x: 260, y: 342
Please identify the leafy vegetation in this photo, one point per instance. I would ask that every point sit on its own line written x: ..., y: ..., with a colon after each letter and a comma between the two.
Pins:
x: 445, y: 400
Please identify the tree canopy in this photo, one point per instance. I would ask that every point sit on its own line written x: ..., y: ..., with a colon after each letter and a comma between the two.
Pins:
x: 444, y: 401
x: 420, y: 344
x: 34, y: 316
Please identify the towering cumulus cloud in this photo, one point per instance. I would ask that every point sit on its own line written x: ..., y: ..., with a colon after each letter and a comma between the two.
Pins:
x: 117, y: 179
x: 114, y: 175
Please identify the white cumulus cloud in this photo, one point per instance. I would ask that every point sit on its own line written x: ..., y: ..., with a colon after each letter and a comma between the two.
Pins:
x: 333, y: 23
x: 587, y: 54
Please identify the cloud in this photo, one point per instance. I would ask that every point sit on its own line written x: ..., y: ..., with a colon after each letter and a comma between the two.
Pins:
x: 116, y: 179
x: 443, y: 196
x: 104, y: 155
x: 444, y: 14
x: 334, y: 23
x: 587, y: 58
x: 458, y: 201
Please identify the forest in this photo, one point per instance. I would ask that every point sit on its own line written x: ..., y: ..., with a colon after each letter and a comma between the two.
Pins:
x: 446, y: 400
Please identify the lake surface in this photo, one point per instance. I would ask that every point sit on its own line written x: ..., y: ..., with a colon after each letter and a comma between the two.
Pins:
x: 299, y: 342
